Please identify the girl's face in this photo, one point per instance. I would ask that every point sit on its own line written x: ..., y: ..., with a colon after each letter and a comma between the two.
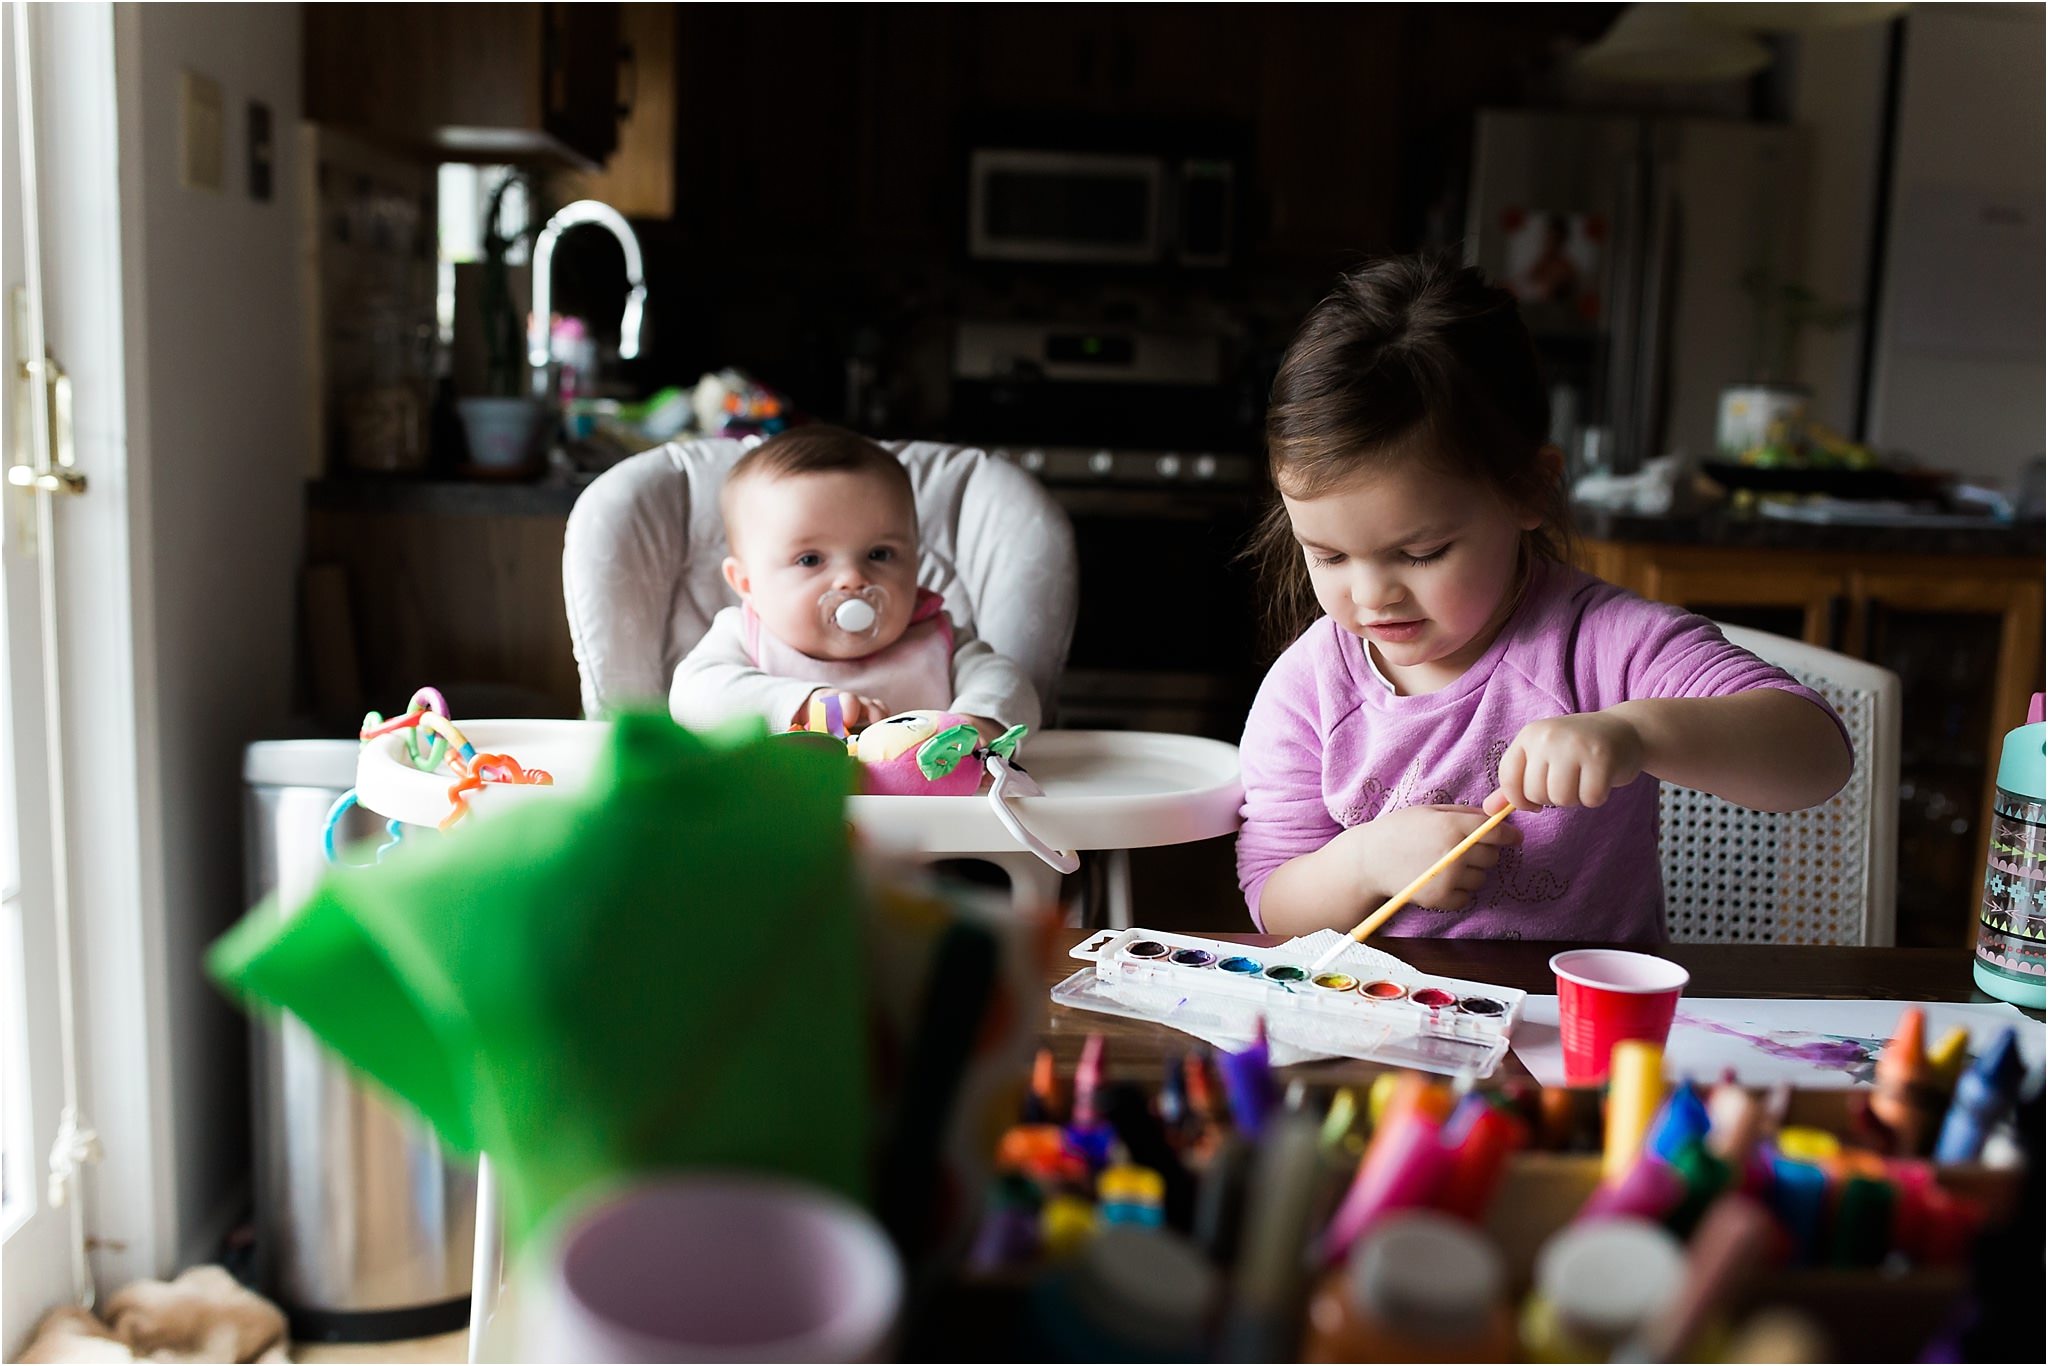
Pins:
x: 1418, y: 564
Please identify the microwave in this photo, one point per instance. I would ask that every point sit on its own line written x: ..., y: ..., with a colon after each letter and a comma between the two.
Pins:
x: 1099, y: 208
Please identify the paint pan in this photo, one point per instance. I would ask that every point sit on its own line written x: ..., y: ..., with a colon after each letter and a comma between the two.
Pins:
x: 1219, y: 989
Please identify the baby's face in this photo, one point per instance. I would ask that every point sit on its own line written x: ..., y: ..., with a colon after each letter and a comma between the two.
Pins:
x: 798, y: 539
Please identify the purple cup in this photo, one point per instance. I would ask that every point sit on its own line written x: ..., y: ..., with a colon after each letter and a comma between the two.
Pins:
x: 720, y: 1267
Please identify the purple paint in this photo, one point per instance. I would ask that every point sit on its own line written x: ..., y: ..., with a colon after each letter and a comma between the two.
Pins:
x: 1837, y: 1052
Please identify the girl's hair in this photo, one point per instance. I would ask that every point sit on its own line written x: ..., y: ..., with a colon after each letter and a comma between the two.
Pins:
x: 1411, y: 357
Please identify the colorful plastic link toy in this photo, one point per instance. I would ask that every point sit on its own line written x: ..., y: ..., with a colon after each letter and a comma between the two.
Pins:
x: 428, y: 712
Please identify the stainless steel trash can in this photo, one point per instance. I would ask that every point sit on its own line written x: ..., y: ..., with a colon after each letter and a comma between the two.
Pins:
x: 364, y: 1227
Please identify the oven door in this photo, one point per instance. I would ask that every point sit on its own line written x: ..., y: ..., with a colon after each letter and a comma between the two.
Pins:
x: 1075, y: 208
x: 1167, y: 636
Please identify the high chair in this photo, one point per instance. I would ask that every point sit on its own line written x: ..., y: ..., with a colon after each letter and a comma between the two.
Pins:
x: 1826, y: 875
x: 641, y: 579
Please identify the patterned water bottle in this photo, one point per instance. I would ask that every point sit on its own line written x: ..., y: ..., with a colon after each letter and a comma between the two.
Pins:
x: 2011, y: 912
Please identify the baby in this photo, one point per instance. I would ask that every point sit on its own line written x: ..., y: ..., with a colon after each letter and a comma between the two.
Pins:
x: 822, y: 528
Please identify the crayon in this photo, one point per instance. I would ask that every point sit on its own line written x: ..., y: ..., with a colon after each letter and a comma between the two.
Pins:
x: 1263, y: 1319
x: 1342, y: 1114
x: 1482, y: 1137
x: 1948, y: 1056
x: 1087, y: 1077
x: 1705, y: 1177
x: 1808, y: 1145
x: 1683, y: 1121
x: 1066, y: 1222
x: 1404, y: 1168
x: 1906, y: 1100
x: 1219, y: 1199
x: 1130, y: 1194
x: 1984, y: 1092
x: 1651, y: 1190
x: 1863, y: 1222
x: 1737, y: 1120
x: 1248, y: 1083
x: 1799, y: 1197
x: 1384, y: 1088
x: 1128, y: 1112
x: 1732, y: 1245
x: 1173, y: 1096
x: 1045, y: 1104
x: 1635, y: 1085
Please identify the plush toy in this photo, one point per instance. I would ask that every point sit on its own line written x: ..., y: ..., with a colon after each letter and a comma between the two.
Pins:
x: 938, y: 754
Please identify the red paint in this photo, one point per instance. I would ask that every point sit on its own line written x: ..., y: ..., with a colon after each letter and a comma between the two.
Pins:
x: 1436, y: 998
x: 1384, y: 991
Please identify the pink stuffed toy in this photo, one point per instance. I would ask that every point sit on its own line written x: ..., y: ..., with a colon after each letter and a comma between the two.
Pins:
x: 924, y: 754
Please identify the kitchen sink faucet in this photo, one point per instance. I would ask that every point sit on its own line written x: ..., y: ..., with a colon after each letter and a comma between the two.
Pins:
x: 539, y: 352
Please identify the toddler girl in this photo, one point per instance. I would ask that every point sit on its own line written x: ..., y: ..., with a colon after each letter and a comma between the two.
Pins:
x: 821, y: 524
x: 1460, y: 662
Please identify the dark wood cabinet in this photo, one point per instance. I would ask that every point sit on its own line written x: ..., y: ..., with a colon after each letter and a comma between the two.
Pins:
x: 486, y: 82
x: 1962, y: 632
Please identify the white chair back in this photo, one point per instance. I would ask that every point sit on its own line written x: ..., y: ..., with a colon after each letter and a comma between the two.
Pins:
x: 1826, y: 875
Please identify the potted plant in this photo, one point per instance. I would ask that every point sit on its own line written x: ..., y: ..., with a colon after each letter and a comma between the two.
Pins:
x: 504, y: 425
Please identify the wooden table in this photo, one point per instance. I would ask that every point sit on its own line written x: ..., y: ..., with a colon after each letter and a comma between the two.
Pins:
x: 1137, y: 1049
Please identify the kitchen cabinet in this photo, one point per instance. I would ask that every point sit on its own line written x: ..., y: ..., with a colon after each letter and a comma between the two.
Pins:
x: 639, y: 178
x: 485, y: 82
x: 1962, y: 631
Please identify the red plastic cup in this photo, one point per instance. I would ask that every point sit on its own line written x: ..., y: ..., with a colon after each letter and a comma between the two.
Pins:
x: 1607, y: 995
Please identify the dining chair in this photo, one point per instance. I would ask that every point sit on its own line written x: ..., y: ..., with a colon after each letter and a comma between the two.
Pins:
x: 1825, y: 875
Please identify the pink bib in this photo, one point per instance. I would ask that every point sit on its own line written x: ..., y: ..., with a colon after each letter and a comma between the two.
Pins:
x: 915, y: 673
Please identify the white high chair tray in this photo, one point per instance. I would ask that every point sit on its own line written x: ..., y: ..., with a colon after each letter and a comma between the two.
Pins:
x: 1104, y: 789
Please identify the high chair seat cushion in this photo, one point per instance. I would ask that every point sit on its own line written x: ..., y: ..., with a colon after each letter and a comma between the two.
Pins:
x: 641, y: 576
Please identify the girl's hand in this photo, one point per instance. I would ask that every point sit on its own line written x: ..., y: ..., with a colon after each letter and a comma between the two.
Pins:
x: 1569, y: 761
x: 1398, y: 847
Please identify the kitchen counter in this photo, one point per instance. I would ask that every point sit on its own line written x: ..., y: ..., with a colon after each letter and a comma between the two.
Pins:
x: 1718, y: 528
x: 1725, y: 528
x: 549, y: 496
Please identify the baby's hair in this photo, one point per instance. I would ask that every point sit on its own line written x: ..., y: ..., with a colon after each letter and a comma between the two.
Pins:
x: 1410, y: 357
x: 818, y: 448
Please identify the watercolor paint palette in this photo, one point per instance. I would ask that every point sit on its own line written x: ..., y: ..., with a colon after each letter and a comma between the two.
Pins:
x: 1387, y: 1012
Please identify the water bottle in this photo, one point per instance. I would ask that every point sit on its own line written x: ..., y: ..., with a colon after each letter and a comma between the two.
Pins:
x: 2011, y: 913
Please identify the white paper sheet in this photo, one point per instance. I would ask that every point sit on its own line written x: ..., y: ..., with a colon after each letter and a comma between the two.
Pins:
x: 1823, y: 1045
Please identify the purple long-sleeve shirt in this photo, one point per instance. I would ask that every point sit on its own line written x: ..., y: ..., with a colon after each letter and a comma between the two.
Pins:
x: 1329, y: 745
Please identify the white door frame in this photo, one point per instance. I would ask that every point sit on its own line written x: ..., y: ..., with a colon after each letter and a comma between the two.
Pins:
x: 91, y: 251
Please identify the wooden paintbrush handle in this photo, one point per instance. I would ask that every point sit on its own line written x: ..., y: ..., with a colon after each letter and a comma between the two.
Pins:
x: 1402, y: 897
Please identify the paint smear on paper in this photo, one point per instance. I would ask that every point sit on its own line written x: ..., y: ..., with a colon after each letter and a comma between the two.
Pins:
x: 1848, y: 1054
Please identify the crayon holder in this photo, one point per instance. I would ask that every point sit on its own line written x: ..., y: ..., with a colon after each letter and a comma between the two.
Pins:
x: 1222, y: 991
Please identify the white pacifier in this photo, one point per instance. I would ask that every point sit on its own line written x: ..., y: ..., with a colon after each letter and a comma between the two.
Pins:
x: 857, y: 613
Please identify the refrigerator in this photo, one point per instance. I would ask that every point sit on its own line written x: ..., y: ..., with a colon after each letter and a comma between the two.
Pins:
x: 1641, y: 247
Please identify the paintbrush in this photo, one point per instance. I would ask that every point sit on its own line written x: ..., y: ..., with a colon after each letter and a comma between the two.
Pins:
x: 1402, y: 897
